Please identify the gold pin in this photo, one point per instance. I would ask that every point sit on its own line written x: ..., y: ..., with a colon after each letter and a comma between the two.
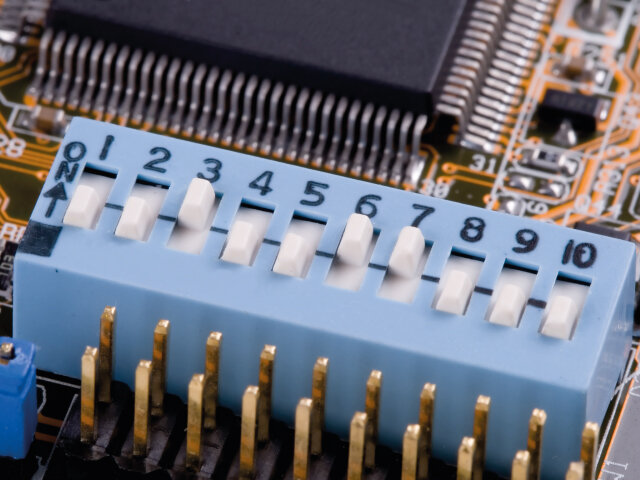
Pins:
x: 425, y: 419
x: 589, y: 449
x: 361, y: 430
x: 302, y: 441
x: 534, y: 442
x: 159, y: 367
x: 521, y: 466
x: 466, y: 458
x: 576, y: 471
x: 480, y: 424
x: 89, y: 367
x: 194, y: 421
x: 211, y: 373
x: 265, y: 382
x: 105, y: 354
x: 372, y: 409
x: 414, y: 454
x: 248, y: 427
x: 318, y: 393
x: 141, y: 408
x: 7, y: 352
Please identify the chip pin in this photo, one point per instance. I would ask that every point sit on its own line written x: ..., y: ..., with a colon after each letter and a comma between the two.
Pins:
x: 211, y: 374
x: 425, y: 420
x: 248, y: 431
x: 194, y: 421
x: 359, y: 435
x: 141, y: 408
x: 589, y: 449
x: 302, y: 438
x: 265, y: 383
x: 105, y: 354
x: 372, y: 409
x: 159, y: 367
x: 534, y: 442
x: 576, y: 471
x: 521, y: 466
x: 318, y: 394
x: 414, y: 454
x: 467, y: 455
x: 88, y: 395
x: 480, y: 424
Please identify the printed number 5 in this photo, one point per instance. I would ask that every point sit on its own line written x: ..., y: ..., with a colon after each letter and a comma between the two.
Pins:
x: 313, y: 189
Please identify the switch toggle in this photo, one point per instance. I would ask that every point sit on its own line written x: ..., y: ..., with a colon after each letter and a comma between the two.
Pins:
x: 140, y: 212
x: 197, y: 205
x: 457, y: 284
x: 246, y: 235
x: 406, y: 254
x: 298, y: 248
x: 357, y: 236
x: 88, y: 200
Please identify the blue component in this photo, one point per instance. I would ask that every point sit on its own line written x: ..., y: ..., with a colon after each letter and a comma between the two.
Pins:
x: 18, y: 403
x: 65, y: 275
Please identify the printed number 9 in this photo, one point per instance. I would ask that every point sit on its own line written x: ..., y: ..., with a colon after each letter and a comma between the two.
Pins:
x: 528, y: 239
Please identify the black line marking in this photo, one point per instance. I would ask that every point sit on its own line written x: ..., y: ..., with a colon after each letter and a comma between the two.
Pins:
x: 375, y: 266
x: 271, y: 242
x: 97, y: 171
x: 114, y: 206
x: 167, y: 218
x: 219, y: 230
x: 534, y: 302
x: 429, y: 278
x: 483, y: 290
x: 39, y: 239
x: 324, y: 254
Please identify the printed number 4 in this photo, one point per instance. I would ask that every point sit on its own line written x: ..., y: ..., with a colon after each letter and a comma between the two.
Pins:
x: 262, y: 183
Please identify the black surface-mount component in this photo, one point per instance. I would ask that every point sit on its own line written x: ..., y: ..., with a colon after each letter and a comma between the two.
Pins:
x: 583, y: 111
x: 7, y: 255
x: 602, y: 230
x: 381, y: 51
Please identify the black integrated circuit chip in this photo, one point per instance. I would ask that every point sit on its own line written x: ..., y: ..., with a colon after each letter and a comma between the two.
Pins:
x: 385, y: 51
x: 602, y: 230
x: 583, y: 111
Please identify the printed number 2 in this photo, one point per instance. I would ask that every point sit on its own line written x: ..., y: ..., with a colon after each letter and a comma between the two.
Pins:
x: 165, y: 156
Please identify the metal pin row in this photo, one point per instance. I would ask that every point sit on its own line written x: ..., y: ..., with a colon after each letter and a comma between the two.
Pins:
x: 484, y: 110
x: 287, y: 122
x: 97, y: 374
x: 585, y: 469
x: 150, y: 381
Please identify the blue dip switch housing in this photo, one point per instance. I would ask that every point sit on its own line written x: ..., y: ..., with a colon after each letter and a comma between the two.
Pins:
x: 18, y: 403
x: 65, y: 276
